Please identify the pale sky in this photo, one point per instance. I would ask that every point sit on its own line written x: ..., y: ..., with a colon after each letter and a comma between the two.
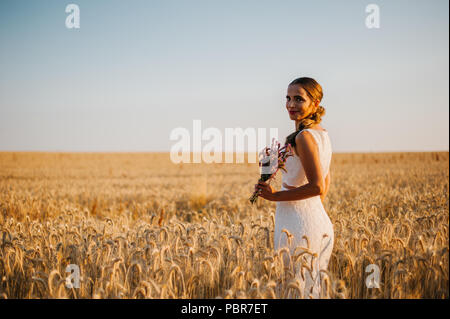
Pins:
x: 136, y: 70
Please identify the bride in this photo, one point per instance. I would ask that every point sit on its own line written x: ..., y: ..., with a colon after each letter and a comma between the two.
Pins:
x: 300, y: 219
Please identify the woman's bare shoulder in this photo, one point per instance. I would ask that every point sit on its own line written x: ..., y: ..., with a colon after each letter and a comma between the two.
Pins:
x: 304, y: 136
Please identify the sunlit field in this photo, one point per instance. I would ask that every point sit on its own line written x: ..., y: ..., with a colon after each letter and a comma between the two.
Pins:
x: 139, y: 226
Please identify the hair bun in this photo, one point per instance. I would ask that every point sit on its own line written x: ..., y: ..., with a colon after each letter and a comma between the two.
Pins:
x: 321, y: 110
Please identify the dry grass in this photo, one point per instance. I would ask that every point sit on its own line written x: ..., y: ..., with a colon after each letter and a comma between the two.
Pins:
x: 139, y: 226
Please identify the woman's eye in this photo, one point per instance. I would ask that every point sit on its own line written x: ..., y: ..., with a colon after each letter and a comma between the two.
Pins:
x: 298, y: 99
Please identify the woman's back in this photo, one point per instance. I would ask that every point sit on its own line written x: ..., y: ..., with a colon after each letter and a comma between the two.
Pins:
x: 306, y: 220
x: 296, y: 175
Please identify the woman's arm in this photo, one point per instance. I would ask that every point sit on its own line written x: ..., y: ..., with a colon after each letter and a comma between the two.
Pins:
x: 298, y: 193
x: 308, y: 153
x: 327, y: 186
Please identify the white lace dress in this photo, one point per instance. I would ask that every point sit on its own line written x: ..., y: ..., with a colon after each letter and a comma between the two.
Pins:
x: 306, y: 219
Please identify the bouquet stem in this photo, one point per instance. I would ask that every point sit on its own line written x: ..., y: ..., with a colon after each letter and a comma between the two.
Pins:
x: 263, y: 178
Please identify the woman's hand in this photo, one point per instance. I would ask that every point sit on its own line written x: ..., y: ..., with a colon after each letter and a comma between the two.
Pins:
x: 267, y: 191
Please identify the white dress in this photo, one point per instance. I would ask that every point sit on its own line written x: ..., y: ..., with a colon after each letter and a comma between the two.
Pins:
x: 306, y: 218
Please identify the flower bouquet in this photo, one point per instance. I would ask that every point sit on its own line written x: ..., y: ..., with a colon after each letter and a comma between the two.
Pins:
x: 270, y: 161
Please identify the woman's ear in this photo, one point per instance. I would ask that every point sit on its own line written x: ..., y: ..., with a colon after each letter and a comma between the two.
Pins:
x: 316, y: 105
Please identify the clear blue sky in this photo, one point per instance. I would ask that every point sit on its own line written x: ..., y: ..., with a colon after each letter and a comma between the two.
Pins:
x: 135, y: 70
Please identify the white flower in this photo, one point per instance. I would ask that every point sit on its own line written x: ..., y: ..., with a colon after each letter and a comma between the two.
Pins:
x: 268, y: 158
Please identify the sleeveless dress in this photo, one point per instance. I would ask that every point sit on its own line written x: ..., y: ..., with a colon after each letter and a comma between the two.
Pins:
x: 308, y: 218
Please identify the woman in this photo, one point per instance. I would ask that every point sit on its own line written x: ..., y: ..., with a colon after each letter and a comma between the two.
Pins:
x: 299, y: 203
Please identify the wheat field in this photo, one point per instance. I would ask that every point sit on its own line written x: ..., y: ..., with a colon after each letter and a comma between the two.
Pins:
x: 139, y: 226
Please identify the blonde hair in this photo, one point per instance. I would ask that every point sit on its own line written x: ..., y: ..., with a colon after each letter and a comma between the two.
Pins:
x: 314, y: 91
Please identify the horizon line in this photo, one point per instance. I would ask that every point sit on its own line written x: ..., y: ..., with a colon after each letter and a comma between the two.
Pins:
x: 223, y: 152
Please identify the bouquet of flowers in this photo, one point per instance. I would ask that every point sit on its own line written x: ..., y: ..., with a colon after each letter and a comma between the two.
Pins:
x: 270, y: 161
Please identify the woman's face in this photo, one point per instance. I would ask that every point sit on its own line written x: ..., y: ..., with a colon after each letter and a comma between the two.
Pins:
x: 298, y: 103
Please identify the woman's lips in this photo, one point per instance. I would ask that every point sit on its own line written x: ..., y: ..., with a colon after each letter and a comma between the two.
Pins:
x: 293, y: 112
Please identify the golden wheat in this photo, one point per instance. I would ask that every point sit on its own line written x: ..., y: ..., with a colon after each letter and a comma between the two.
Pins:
x: 139, y: 226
